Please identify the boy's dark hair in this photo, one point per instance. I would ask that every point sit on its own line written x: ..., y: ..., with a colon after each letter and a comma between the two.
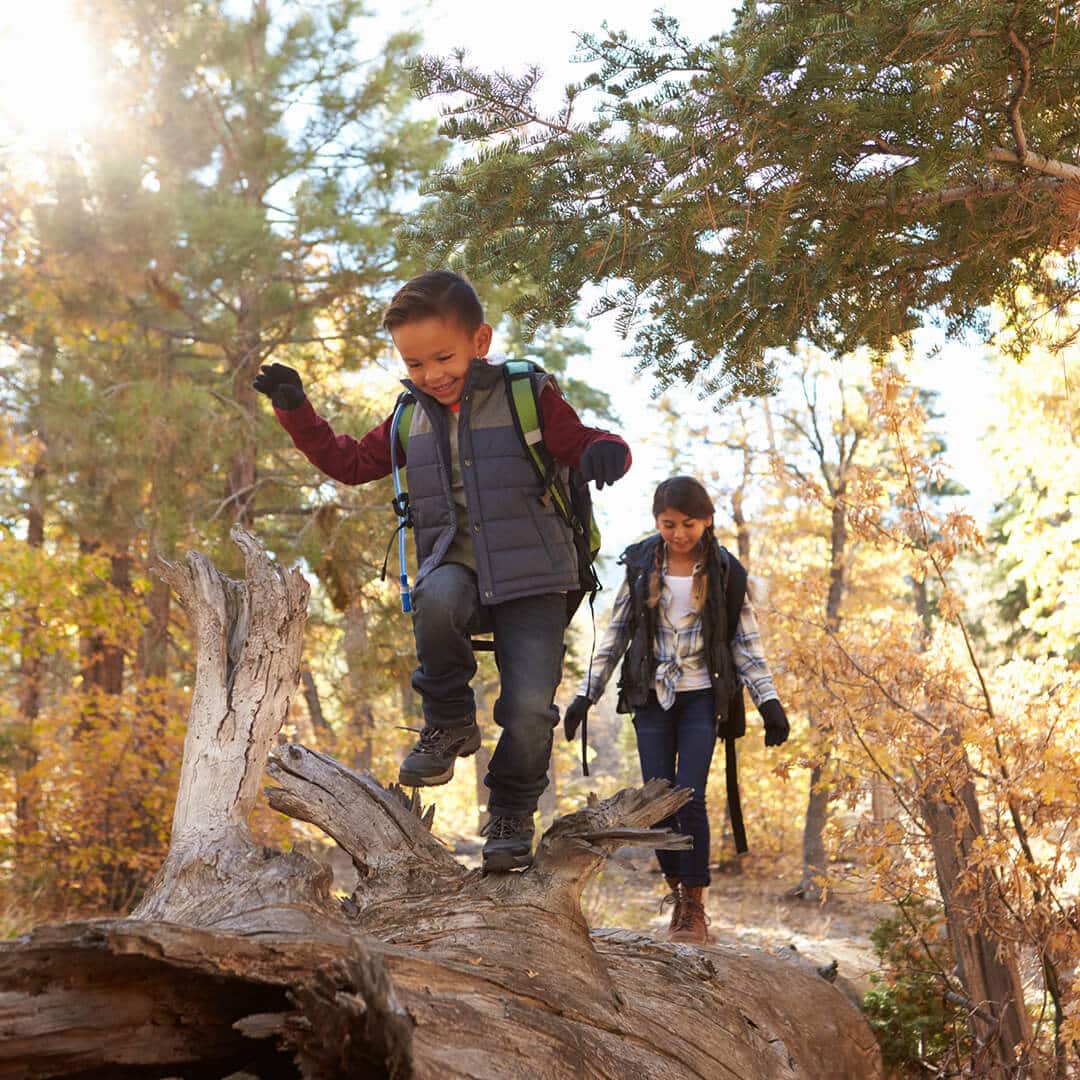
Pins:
x: 685, y: 494
x: 439, y: 293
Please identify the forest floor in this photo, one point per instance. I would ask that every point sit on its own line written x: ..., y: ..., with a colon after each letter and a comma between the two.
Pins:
x: 750, y: 906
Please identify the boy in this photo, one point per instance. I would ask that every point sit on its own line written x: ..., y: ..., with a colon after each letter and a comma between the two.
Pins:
x: 492, y: 553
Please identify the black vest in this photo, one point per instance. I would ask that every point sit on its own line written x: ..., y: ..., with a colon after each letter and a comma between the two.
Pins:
x: 723, y: 604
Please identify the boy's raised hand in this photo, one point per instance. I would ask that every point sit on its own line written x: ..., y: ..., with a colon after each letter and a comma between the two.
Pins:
x: 281, y: 384
x: 603, y: 462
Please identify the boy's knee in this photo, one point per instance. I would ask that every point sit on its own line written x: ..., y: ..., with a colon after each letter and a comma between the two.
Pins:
x: 532, y: 697
x: 533, y: 710
x: 447, y: 593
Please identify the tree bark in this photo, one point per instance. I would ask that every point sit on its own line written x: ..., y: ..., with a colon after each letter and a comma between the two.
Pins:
x: 31, y: 677
x: 103, y: 661
x: 152, y: 658
x: 812, y: 883
x: 357, y: 649
x: 321, y: 731
x: 240, y: 958
x: 986, y: 964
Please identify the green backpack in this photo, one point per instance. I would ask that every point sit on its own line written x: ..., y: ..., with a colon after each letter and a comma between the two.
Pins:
x: 566, y: 488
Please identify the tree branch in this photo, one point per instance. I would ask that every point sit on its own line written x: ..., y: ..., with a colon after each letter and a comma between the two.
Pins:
x: 1013, y: 110
x: 1061, y: 169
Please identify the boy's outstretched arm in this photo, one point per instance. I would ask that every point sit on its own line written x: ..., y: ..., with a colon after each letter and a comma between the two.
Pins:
x: 602, y: 456
x: 341, y: 457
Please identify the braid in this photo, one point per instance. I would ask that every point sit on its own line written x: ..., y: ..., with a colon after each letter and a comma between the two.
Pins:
x: 700, y: 587
x: 654, y: 576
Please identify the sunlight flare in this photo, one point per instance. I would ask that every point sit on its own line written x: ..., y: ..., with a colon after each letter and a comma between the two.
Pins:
x: 48, y: 85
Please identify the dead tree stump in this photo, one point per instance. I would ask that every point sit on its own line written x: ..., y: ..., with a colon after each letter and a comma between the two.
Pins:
x: 239, y: 961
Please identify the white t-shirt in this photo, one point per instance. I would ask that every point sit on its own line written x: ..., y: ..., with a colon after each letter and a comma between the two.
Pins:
x: 680, y: 612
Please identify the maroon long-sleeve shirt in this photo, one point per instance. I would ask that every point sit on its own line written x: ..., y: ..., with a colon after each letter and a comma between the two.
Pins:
x: 358, y: 461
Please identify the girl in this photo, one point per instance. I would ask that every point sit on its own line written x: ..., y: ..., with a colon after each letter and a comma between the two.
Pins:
x: 684, y: 620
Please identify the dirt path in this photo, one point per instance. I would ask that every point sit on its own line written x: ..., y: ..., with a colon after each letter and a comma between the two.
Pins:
x: 750, y: 907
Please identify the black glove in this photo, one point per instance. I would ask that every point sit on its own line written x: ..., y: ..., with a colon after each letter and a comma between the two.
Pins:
x: 603, y: 462
x: 777, y: 728
x: 281, y: 385
x: 577, y: 711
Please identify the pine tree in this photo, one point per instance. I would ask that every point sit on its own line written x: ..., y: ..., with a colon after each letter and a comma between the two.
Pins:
x: 834, y: 173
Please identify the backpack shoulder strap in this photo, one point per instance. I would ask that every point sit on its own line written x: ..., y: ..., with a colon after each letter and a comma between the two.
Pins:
x: 401, y: 423
x: 521, y: 387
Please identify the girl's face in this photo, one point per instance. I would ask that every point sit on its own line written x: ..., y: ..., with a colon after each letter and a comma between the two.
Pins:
x: 681, y: 532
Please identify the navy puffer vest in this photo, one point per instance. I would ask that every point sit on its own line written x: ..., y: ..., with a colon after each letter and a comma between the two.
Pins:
x: 520, y: 544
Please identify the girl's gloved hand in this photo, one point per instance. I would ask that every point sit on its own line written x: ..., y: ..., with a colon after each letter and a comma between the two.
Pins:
x: 777, y: 728
x: 575, y: 713
x: 603, y: 462
x: 281, y: 384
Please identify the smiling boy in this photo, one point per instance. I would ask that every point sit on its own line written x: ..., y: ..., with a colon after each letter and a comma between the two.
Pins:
x: 493, y: 553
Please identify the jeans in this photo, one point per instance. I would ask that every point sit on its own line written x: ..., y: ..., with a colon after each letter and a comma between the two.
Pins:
x: 677, y: 745
x: 528, y: 650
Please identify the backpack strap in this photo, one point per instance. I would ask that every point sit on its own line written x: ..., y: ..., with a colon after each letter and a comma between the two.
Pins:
x: 731, y: 775
x: 526, y: 412
x: 402, y: 424
x: 401, y: 418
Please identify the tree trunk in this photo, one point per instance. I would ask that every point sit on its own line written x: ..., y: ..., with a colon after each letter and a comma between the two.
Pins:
x: 883, y: 805
x: 986, y: 965
x: 241, y: 959
x: 356, y: 646
x: 31, y: 676
x: 321, y: 731
x: 811, y: 884
x: 814, y: 869
x: 151, y: 661
x: 103, y: 661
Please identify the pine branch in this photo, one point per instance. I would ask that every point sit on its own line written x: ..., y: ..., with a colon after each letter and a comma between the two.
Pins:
x: 1061, y: 169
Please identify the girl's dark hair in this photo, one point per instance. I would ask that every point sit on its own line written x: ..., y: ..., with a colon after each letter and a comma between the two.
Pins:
x: 685, y: 494
x: 439, y: 293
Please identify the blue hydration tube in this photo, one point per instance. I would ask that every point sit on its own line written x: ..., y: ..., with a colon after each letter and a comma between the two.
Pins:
x: 401, y: 505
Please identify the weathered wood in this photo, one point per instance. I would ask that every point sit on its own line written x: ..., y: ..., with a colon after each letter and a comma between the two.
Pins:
x: 240, y: 958
x: 249, y: 636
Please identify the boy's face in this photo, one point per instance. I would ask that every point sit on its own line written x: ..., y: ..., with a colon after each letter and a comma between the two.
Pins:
x: 437, y: 354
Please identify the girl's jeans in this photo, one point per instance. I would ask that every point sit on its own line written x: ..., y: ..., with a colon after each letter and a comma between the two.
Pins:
x: 529, y: 651
x: 677, y: 745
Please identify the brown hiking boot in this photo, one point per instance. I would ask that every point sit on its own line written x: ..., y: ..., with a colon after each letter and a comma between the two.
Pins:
x: 689, y: 923
x: 677, y: 899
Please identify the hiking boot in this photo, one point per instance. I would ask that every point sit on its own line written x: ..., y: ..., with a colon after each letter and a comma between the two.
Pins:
x: 677, y: 900
x: 431, y: 760
x: 689, y: 923
x: 509, y: 842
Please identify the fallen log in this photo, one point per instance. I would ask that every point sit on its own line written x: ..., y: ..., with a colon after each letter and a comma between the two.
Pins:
x: 240, y: 962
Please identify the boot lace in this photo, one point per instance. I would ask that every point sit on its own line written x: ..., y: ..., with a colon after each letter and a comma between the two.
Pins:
x: 690, y: 910
x: 436, y: 740
x: 684, y: 915
x: 505, y: 828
